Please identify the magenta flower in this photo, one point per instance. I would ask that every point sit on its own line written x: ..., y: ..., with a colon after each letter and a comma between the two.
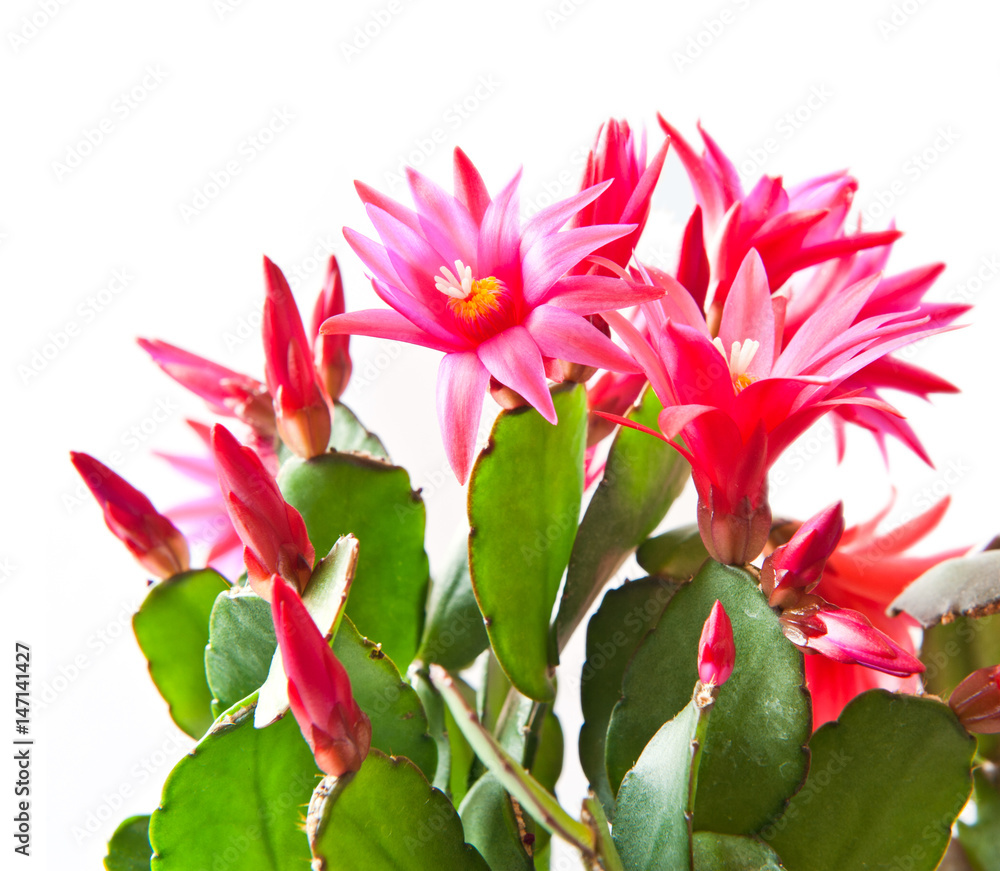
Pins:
x: 331, y: 354
x: 790, y: 230
x: 300, y: 410
x: 802, y: 239
x: 227, y: 393
x: 338, y: 732
x: 716, y: 648
x: 275, y: 539
x: 149, y: 536
x: 739, y: 398
x: 462, y: 276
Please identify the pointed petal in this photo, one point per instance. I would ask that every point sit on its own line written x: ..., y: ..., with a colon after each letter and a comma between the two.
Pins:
x: 461, y: 386
x: 567, y: 336
x: 591, y: 294
x: 748, y: 314
x: 470, y: 188
x: 513, y: 358
x: 499, y: 233
x: 380, y: 324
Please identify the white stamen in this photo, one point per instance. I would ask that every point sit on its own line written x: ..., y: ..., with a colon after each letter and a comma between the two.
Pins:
x: 740, y: 356
x: 457, y: 284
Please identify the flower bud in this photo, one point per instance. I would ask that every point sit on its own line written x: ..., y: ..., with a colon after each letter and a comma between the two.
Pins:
x: 976, y: 701
x: 226, y: 392
x: 843, y: 635
x: 275, y: 540
x: 150, y: 537
x: 331, y: 353
x: 716, y: 649
x: 338, y: 732
x: 301, y: 412
x: 799, y: 564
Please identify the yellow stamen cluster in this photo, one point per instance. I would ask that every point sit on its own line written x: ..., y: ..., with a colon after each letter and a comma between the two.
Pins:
x: 483, y: 300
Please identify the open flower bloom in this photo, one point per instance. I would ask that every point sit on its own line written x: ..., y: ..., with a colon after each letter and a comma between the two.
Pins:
x: 149, y: 536
x: 464, y: 277
x: 227, y: 393
x: 802, y: 239
x: 338, y: 732
x: 864, y: 573
x: 275, y: 539
x: 739, y: 398
x: 300, y: 410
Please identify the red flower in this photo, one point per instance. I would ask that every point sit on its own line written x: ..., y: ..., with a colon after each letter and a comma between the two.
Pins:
x: 338, y: 732
x: 150, y: 537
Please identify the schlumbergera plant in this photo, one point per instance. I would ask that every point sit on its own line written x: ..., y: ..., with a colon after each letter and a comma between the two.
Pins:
x: 772, y: 693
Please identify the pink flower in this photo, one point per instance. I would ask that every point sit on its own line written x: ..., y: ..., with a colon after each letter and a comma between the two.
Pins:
x: 300, y: 410
x: 976, y: 701
x: 150, y: 537
x: 463, y: 277
x: 226, y: 392
x: 739, y: 398
x: 205, y: 520
x: 716, y: 648
x: 865, y: 572
x: 275, y: 539
x: 331, y: 354
x: 618, y: 156
x: 338, y: 732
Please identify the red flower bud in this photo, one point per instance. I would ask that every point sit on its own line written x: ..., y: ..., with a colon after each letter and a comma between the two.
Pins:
x: 150, y: 537
x: 319, y: 690
x: 976, y: 701
x: 799, y: 564
x: 301, y: 412
x: 716, y: 649
x: 843, y: 635
x: 331, y: 354
x: 275, y: 540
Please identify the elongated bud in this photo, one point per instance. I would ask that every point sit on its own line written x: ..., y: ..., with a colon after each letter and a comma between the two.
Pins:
x: 150, y: 537
x: 338, y: 732
x: 798, y: 565
x: 226, y: 392
x: 331, y: 354
x: 301, y: 412
x: 716, y: 649
x: 976, y: 701
x: 844, y: 635
x: 274, y: 536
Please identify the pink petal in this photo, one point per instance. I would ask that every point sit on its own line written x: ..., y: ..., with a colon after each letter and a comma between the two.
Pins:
x: 552, y: 256
x: 445, y: 221
x: 461, y: 386
x: 560, y: 333
x: 470, y: 188
x: 499, y: 233
x: 380, y: 324
x: 590, y: 294
x: 748, y: 314
x: 513, y: 358
x: 552, y: 218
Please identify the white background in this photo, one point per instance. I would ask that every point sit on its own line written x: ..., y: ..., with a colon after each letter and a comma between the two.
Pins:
x: 536, y: 79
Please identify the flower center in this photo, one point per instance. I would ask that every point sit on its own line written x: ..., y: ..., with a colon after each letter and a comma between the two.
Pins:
x: 740, y: 356
x: 470, y: 299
